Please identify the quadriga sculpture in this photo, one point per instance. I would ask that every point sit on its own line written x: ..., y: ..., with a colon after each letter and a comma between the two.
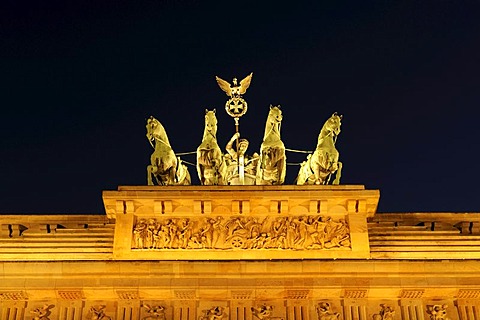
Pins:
x: 211, y: 166
x: 164, y: 166
x: 323, y: 163
x: 271, y: 166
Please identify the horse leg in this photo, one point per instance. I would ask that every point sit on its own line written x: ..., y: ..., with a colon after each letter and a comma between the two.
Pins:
x: 315, y: 166
x: 338, y: 175
x: 302, y: 176
x: 281, y: 170
x: 185, y: 178
x: 171, y: 176
x: 149, y: 175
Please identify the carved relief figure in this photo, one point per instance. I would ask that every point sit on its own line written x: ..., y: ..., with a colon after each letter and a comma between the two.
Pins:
x: 154, y: 312
x: 386, y: 313
x: 325, y: 312
x: 323, y: 163
x: 211, y: 231
x: 263, y: 312
x: 211, y: 166
x: 98, y: 313
x: 271, y: 166
x: 185, y: 233
x: 164, y: 165
x: 139, y: 233
x: 238, y: 232
x: 437, y: 312
x: 42, y: 313
x: 215, y: 313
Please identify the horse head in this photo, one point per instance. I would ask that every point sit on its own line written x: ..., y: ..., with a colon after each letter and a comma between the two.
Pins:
x: 275, y: 115
x: 210, y: 122
x: 274, y: 120
x: 155, y: 131
x: 332, y: 125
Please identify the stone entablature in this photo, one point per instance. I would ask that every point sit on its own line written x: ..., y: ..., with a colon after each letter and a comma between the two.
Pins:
x: 56, y: 237
x: 198, y: 200
x: 348, y: 264
x: 248, y: 222
x: 424, y: 236
x: 298, y: 290
x: 329, y: 222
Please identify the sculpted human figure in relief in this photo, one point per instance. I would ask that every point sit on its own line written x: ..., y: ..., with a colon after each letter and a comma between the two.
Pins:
x: 263, y: 312
x: 325, y: 312
x: 214, y: 313
x: 98, y: 313
x: 154, y: 312
x: 437, y: 312
x: 241, y: 232
x: 386, y: 313
x: 41, y: 313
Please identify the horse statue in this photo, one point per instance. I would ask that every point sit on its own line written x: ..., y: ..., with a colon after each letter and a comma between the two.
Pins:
x: 271, y: 167
x: 211, y: 166
x: 164, y: 166
x: 323, y: 163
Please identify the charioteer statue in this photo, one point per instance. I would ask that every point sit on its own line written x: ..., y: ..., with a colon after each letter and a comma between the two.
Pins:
x: 235, y: 167
x: 242, y: 168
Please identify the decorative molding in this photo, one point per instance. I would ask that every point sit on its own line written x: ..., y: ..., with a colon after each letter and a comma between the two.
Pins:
x: 185, y: 294
x: 128, y: 295
x: 297, y: 294
x: 355, y: 294
x: 242, y: 294
x: 468, y: 294
x: 70, y: 295
x: 412, y: 294
x: 13, y: 295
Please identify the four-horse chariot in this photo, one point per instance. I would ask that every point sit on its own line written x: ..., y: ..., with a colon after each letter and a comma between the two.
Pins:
x: 234, y: 167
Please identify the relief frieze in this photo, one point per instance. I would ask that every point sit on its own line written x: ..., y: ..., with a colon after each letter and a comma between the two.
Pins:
x: 154, y: 312
x: 437, y: 312
x: 325, y: 312
x: 214, y: 313
x: 386, y: 313
x: 42, y: 313
x: 98, y: 313
x: 241, y: 232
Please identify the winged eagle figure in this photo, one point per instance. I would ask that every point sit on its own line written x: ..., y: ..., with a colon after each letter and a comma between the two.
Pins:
x: 235, y: 90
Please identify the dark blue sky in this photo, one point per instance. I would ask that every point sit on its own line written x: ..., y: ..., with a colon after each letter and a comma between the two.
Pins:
x: 79, y: 80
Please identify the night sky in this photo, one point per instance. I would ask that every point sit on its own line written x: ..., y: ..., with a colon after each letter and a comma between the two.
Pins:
x: 79, y: 80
